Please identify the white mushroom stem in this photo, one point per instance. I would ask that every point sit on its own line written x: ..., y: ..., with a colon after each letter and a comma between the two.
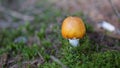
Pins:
x: 74, y: 42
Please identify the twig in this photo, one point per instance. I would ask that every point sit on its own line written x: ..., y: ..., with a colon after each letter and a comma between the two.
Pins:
x: 21, y: 16
x: 58, y: 61
x: 114, y: 9
x: 16, y: 14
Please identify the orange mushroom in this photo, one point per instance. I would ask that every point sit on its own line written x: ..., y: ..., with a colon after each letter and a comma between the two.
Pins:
x: 73, y: 29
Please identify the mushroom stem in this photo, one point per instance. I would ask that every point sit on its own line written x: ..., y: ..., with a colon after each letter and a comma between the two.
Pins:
x: 74, y: 42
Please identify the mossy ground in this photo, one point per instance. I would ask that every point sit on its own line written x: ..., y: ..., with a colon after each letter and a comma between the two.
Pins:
x: 43, y: 40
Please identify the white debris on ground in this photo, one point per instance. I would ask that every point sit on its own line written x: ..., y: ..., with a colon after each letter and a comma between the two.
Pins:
x: 107, y: 26
x: 21, y: 39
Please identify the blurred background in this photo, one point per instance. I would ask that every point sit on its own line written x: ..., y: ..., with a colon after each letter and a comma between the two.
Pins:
x: 93, y: 10
x: 38, y: 22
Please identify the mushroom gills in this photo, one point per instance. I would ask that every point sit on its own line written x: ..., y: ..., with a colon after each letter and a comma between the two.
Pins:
x: 74, y: 42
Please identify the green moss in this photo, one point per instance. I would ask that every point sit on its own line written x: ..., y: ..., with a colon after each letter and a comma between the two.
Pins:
x: 86, y: 55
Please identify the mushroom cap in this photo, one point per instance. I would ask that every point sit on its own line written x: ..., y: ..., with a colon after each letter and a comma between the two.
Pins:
x: 73, y: 28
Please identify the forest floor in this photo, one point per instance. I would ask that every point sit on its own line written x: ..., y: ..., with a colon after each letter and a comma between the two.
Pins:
x: 32, y: 38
